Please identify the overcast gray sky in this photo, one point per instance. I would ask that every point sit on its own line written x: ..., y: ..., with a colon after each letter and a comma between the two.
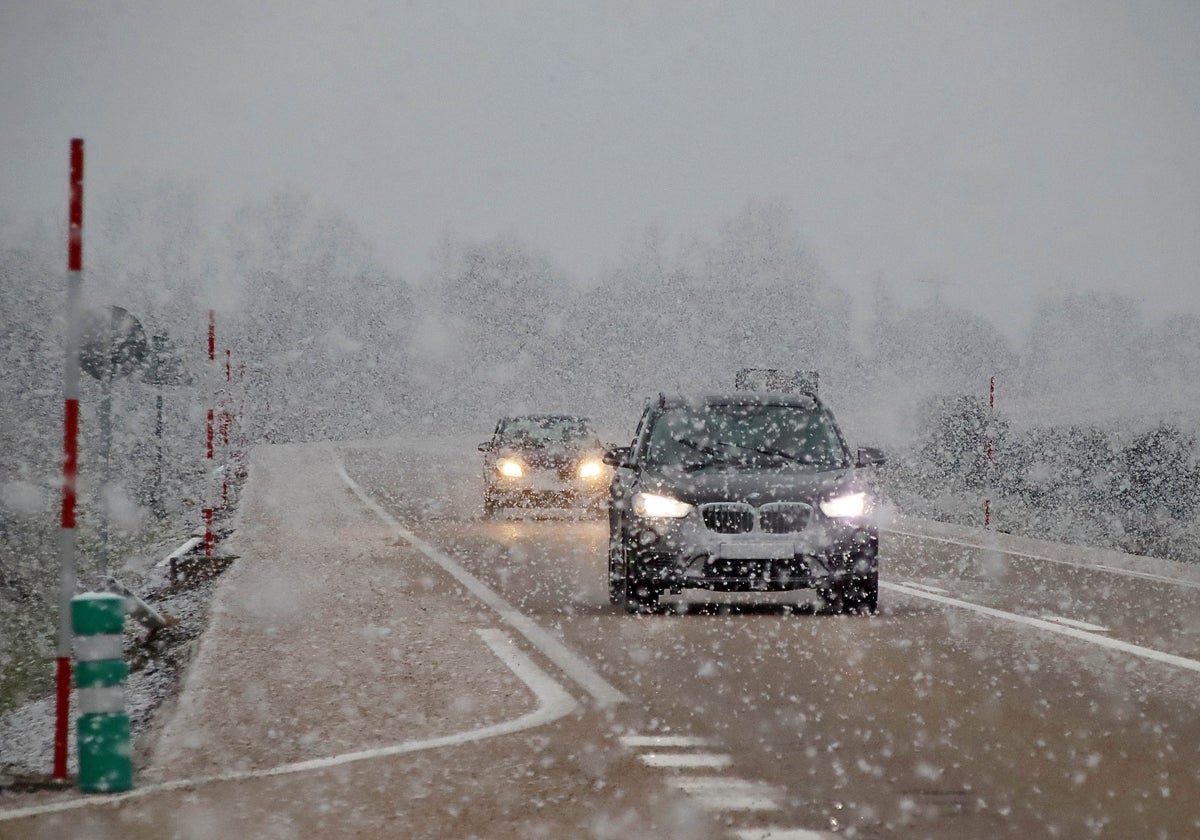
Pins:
x: 1003, y: 147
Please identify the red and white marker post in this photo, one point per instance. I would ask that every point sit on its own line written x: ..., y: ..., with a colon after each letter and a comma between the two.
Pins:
x: 226, y: 421
x: 987, y: 503
x: 68, y: 540
x: 208, y: 501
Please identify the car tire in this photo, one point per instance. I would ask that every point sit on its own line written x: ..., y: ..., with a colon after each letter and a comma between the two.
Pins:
x: 633, y: 595
x: 640, y: 597
x: 616, y: 577
x: 861, y: 594
x: 832, y: 599
x: 490, y: 506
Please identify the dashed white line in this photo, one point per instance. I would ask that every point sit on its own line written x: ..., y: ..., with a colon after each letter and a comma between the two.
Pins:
x: 772, y: 833
x: 718, y: 794
x: 662, y: 741
x: 687, y: 761
x: 1084, y: 635
x: 727, y: 793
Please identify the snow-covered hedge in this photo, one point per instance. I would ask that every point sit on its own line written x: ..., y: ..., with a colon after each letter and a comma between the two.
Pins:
x: 1136, y: 489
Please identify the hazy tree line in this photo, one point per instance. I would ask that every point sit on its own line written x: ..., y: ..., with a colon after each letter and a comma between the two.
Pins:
x: 326, y: 343
x: 1132, y: 487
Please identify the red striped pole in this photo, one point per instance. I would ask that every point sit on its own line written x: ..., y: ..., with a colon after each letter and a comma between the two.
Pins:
x: 67, y: 538
x: 208, y: 511
x: 225, y: 421
x: 987, y: 503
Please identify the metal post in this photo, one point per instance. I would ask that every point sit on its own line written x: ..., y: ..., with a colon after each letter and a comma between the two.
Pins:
x: 225, y: 422
x: 208, y: 502
x: 156, y: 503
x: 987, y: 503
x: 68, y: 540
x: 106, y: 466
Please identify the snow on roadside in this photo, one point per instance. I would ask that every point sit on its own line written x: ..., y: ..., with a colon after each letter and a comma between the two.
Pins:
x: 157, y: 665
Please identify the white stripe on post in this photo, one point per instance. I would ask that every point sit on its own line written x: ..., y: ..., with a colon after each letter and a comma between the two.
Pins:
x: 101, y: 700
x: 95, y: 648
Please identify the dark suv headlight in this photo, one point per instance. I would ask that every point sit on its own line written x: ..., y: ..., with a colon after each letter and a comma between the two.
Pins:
x: 846, y: 506
x: 654, y: 506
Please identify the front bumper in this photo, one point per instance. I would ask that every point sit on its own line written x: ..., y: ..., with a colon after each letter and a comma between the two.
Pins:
x: 544, y: 489
x: 683, y: 554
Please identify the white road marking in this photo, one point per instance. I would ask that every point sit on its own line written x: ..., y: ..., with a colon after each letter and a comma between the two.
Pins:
x: 1100, y: 567
x: 558, y: 653
x: 1070, y: 622
x: 719, y: 794
x: 1102, y: 641
x: 773, y: 833
x: 727, y: 793
x: 553, y: 702
x: 687, y: 761
x: 1144, y: 575
x: 635, y: 741
x: 926, y: 587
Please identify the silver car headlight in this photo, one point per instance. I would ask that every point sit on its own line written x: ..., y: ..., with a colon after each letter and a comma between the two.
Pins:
x: 510, y: 468
x: 653, y: 506
x: 591, y: 469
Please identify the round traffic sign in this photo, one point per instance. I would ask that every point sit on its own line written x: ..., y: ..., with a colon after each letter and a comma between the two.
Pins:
x: 113, y: 344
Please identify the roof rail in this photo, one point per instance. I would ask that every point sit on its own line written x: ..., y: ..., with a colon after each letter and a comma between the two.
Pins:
x: 774, y: 379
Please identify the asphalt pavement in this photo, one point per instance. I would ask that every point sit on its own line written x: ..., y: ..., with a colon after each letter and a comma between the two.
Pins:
x: 384, y: 662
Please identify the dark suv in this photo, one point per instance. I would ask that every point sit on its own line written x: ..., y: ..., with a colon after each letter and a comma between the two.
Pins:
x: 742, y: 492
x: 543, y: 460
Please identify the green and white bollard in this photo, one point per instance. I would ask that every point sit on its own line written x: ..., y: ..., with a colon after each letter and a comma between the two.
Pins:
x: 105, y: 751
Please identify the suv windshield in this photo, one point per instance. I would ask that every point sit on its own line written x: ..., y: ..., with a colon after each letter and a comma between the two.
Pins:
x: 540, y: 431
x: 696, y: 437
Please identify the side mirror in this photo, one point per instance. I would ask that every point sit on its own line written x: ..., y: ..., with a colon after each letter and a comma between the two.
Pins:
x: 618, y: 456
x: 485, y: 447
x: 870, y: 456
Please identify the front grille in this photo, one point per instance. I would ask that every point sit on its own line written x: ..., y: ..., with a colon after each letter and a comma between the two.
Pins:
x: 744, y: 569
x: 742, y: 518
x: 784, y: 517
x: 730, y: 518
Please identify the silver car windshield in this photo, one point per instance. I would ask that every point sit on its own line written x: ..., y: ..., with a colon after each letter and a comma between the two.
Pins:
x: 698, y: 437
x: 545, y: 430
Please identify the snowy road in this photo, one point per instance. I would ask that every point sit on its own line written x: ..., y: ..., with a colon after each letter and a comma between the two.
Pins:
x: 1030, y: 691
x: 1039, y: 692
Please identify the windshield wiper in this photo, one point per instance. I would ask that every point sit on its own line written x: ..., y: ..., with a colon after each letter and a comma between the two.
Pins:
x: 770, y: 453
x: 715, y: 456
x: 779, y: 453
